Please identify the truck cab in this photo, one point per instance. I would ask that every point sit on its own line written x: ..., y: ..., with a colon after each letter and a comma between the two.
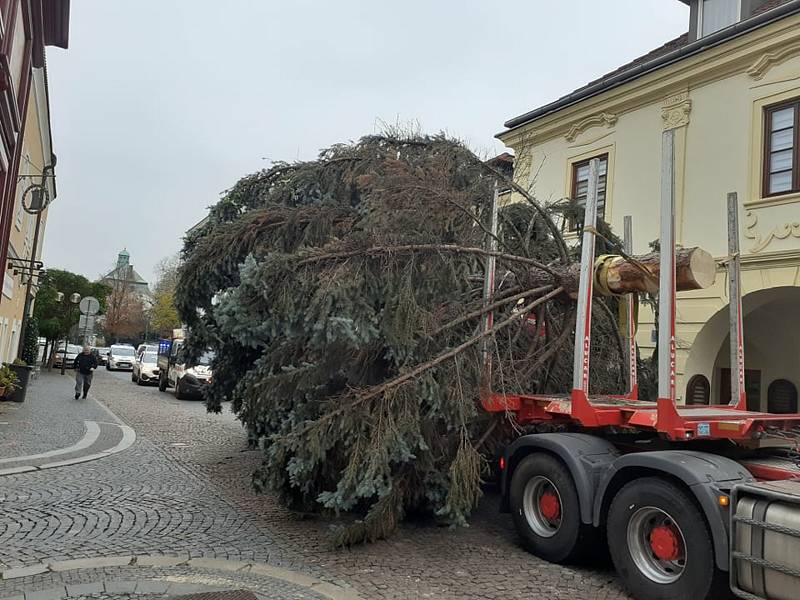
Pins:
x: 187, y: 378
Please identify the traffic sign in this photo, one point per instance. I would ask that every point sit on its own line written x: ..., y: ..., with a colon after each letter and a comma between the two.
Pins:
x: 90, y: 305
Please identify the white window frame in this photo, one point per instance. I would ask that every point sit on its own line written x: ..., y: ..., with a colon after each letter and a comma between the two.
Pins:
x: 700, y: 4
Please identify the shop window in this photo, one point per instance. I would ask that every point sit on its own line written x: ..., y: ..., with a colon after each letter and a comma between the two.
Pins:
x: 782, y: 397
x: 698, y: 390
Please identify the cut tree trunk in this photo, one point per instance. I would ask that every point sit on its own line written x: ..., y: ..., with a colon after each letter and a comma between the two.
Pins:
x: 695, y: 269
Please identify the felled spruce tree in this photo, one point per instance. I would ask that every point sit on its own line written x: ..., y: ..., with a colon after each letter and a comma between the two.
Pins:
x: 343, y: 297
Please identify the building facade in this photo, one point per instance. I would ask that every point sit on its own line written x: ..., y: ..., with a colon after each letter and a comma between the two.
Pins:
x: 31, y: 190
x: 730, y: 89
x: 27, y: 160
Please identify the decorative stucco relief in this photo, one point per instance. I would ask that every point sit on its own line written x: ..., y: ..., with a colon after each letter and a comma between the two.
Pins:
x: 759, y: 68
x: 676, y: 110
x: 761, y: 241
x: 603, y: 118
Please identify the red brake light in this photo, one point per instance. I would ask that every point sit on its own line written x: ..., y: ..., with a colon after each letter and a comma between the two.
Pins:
x: 502, y: 463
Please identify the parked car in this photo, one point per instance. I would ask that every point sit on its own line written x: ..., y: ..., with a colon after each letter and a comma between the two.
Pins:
x: 102, y: 355
x: 121, y: 357
x: 146, y: 348
x: 72, y: 351
x: 145, y: 369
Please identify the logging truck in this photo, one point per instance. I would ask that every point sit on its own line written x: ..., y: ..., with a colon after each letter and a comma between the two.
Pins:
x: 692, y: 501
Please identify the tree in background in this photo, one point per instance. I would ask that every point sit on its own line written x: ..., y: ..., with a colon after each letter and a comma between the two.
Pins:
x: 125, y: 319
x: 53, y: 317
x: 164, y: 315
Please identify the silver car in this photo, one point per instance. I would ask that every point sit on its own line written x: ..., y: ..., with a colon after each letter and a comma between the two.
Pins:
x: 72, y: 352
x: 145, y: 369
x: 121, y: 357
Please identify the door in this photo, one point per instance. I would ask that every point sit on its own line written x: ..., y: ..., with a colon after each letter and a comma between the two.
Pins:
x: 752, y: 388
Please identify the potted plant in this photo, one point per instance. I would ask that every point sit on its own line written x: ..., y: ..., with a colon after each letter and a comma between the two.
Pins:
x: 9, y: 382
x: 22, y: 371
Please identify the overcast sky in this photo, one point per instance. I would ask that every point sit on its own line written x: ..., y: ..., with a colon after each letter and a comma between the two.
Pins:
x: 160, y: 105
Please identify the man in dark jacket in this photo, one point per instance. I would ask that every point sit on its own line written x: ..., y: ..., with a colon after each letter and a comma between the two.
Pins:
x: 85, y: 362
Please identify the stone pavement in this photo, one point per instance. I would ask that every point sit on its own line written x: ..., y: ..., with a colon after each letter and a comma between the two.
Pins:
x: 183, y: 490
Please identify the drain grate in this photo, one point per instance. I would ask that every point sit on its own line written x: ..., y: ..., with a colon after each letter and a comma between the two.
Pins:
x: 227, y: 595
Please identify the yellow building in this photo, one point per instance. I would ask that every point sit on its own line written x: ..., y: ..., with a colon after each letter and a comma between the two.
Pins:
x: 37, y: 153
x: 730, y: 88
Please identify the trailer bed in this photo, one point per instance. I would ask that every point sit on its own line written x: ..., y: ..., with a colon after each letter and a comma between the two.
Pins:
x: 676, y: 422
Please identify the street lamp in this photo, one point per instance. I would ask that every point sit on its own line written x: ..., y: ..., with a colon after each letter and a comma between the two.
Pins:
x: 74, y: 299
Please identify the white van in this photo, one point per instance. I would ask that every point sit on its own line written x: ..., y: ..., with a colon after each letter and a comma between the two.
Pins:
x: 121, y: 357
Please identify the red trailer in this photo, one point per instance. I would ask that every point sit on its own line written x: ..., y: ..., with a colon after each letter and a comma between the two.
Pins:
x: 693, y: 501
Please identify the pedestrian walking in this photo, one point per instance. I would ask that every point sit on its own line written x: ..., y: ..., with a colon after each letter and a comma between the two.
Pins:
x: 85, y: 362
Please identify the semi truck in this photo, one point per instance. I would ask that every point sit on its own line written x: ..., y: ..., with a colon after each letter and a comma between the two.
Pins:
x: 692, y: 501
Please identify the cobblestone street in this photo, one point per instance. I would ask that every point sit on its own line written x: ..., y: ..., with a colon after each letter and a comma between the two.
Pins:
x: 170, y: 510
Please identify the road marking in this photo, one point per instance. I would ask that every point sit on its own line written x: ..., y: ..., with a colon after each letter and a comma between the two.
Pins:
x: 89, y: 438
x: 323, y: 588
x: 128, y: 439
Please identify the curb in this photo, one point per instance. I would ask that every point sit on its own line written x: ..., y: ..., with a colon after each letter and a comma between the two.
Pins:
x: 329, y: 590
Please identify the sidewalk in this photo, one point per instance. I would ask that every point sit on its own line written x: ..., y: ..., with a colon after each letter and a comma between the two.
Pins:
x: 52, y: 429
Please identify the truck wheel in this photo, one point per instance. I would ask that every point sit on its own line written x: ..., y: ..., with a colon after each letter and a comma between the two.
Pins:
x: 179, y: 395
x: 546, y: 511
x: 661, y: 544
x: 162, y: 383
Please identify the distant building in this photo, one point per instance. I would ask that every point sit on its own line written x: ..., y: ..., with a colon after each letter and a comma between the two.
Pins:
x: 125, y: 277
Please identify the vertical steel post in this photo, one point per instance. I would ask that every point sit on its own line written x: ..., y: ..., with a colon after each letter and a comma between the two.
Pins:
x: 738, y: 394
x: 633, y: 382
x: 583, y: 324
x: 488, y: 288
x: 666, y: 284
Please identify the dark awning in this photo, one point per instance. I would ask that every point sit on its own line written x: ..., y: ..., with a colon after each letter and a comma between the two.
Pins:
x: 50, y: 27
x: 56, y: 22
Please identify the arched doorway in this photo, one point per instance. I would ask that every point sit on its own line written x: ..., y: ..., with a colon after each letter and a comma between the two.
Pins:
x: 771, y: 352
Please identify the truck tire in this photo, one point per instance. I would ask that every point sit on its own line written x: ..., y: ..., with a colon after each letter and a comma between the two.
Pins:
x: 661, y: 544
x: 162, y: 383
x: 546, y: 511
x: 179, y: 395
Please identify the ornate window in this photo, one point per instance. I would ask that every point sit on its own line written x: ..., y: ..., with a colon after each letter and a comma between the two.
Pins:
x: 580, y: 187
x: 781, y: 165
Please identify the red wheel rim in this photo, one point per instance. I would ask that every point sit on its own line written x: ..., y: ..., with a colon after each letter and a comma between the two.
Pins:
x: 665, y: 543
x: 549, y: 506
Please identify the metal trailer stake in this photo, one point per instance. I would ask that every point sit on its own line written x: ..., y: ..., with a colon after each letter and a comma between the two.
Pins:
x: 583, y: 324
x: 488, y: 288
x: 666, y: 283
x: 633, y: 382
x: 738, y: 394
